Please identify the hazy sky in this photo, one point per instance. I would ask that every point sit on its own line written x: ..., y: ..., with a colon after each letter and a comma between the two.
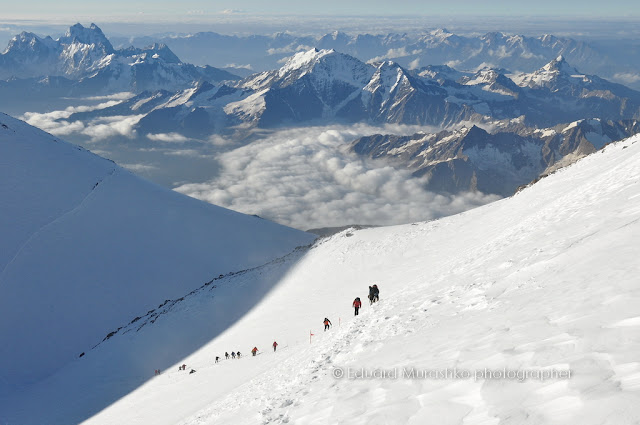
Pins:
x: 42, y: 9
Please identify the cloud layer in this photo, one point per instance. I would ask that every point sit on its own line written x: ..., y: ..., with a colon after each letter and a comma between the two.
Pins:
x: 100, y: 128
x: 305, y: 178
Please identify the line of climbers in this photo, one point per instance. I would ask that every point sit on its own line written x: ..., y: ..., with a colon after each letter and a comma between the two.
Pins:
x: 374, y: 296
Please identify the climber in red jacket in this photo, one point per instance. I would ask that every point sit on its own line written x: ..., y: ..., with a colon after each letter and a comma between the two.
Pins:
x: 357, y: 304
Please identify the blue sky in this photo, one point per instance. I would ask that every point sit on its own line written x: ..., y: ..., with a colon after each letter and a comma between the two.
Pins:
x: 43, y: 9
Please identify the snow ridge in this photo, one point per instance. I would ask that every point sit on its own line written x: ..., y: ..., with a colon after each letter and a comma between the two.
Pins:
x: 81, y: 235
x: 38, y: 231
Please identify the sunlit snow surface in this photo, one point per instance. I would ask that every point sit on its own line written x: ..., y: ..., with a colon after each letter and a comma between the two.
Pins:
x: 547, y: 279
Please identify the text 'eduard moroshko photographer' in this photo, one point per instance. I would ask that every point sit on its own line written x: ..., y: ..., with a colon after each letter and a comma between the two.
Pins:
x: 519, y: 375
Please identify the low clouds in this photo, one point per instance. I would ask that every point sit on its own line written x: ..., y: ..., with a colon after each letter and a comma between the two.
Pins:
x: 96, y: 129
x: 305, y: 178
x: 107, y: 127
x: 414, y: 64
x: 167, y: 137
x: 395, y: 54
x: 627, y: 77
x: 115, y: 96
x: 291, y: 48
x: 139, y: 168
x: 238, y: 66
x: 232, y: 12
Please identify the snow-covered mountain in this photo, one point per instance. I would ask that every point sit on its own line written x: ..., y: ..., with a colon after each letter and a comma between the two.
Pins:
x: 396, y: 96
x: 435, y: 47
x: 541, y: 283
x: 312, y: 85
x: 316, y: 86
x: 324, y: 85
x: 328, y: 87
x: 76, y: 54
x: 491, y: 80
x: 85, y: 56
x: 578, y: 93
x: 554, y: 94
x: 87, y: 246
x: 499, y: 161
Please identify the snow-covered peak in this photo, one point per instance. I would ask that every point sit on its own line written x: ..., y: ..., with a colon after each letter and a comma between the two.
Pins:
x: 441, y: 33
x: 162, y: 51
x: 335, y: 37
x: 84, y: 50
x: 492, y: 80
x: 22, y: 40
x: 439, y: 72
x: 548, y: 39
x: 560, y: 64
x: 439, y: 37
x: 322, y: 66
x: 304, y: 60
x: 482, y: 76
x: 388, y: 78
x: 391, y: 68
x: 29, y: 43
x: 323, y: 63
x: 493, y: 37
x: 92, y: 35
x: 548, y: 75
x: 515, y: 39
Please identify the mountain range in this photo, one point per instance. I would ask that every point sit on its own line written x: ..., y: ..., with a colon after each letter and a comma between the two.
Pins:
x: 434, y: 47
x: 84, y: 62
x: 316, y: 86
x: 326, y: 87
x: 500, y: 161
x: 522, y: 115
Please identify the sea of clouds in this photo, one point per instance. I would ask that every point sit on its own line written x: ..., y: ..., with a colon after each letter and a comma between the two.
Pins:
x: 301, y: 177
x: 308, y: 178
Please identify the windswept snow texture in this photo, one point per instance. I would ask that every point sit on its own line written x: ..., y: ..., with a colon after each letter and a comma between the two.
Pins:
x: 86, y: 246
x: 546, y: 279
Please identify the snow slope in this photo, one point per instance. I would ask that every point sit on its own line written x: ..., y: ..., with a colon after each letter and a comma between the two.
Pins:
x: 544, y: 280
x: 87, y: 246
